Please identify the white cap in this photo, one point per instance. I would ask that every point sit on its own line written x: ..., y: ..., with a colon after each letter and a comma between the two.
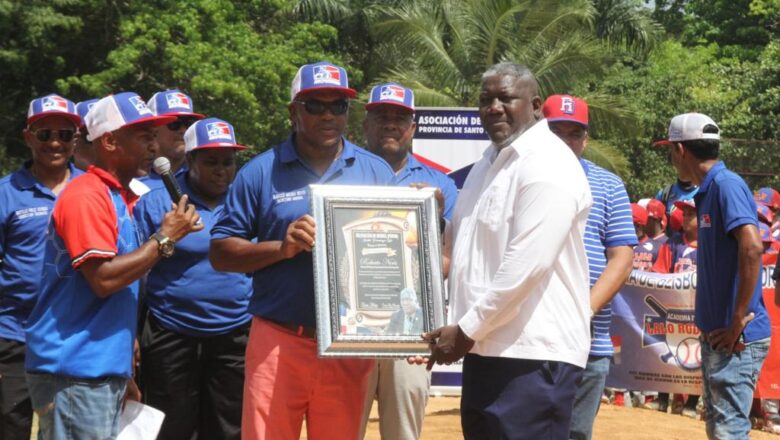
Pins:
x: 690, y: 127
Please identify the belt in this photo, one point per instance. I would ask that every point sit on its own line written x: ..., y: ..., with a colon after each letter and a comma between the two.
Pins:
x: 300, y: 330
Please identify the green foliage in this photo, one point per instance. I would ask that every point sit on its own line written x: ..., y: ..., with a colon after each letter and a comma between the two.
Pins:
x: 213, y: 50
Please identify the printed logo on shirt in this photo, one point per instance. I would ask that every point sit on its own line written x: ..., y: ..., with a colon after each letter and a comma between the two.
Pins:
x: 704, y: 221
x: 177, y: 100
x: 290, y: 196
x: 327, y: 75
x: 38, y: 211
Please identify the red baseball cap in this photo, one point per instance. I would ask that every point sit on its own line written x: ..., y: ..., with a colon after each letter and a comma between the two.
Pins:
x: 676, y: 220
x: 680, y: 204
x: 566, y: 108
x: 768, y: 196
x: 639, y: 214
x: 656, y: 209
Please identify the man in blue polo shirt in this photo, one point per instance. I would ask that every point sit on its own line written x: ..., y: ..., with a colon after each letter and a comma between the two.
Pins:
x: 170, y: 137
x: 26, y: 200
x: 730, y: 312
x: 401, y: 389
x: 609, y: 241
x: 80, y: 332
x: 269, y: 201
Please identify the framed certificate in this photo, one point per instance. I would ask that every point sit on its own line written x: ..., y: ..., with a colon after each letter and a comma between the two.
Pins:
x: 377, y: 270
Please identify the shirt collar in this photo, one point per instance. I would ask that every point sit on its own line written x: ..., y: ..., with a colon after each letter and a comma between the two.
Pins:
x: 112, y: 182
x: 25, y: 179
x: 714, y: 171
x: 289, y: 154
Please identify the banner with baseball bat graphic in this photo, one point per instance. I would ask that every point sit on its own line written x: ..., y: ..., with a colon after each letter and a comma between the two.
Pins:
x: 657, y: 343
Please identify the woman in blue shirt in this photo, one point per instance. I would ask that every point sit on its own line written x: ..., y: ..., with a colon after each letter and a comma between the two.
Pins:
x: 196, y: 327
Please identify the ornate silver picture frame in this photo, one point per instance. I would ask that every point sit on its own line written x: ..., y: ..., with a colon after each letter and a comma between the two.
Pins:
x: 377, y: 270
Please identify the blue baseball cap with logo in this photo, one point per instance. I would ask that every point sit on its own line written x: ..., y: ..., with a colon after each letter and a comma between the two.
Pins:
x: 51, y: 105
x: 210, y: 133
x: 391, y: 94
x: 173, y: 102
x: 83, y: 107
x: 118, y: 111
x: 322, y: 76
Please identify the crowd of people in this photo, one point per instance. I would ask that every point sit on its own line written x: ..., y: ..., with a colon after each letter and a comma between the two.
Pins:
x: 203, y: 305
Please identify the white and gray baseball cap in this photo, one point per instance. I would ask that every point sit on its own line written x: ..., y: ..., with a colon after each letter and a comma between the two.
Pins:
x: 690, y: 127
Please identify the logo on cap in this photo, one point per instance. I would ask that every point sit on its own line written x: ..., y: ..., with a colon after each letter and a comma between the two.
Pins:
x: 51, y: 103
x: 394, y: 93
x: 140, y: 105
x: 218, y: 130
x: 567, y: 105
x: 178, y: 100
x: 327, y: 75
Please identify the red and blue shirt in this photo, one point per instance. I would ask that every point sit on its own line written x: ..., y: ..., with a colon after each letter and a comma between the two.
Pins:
x: 71, y: 331
x: 676, y: 256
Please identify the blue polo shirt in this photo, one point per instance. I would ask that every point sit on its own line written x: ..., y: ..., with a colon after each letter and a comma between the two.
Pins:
x: 723, y: 204
x: 609, y: 224
x: 25, y: 208
x: 416, y: 172
x: 154, y: 180
x: 270, y: 192
x: 184, y: 293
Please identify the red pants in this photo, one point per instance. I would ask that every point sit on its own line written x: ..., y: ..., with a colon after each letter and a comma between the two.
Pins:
x: 285, y: 381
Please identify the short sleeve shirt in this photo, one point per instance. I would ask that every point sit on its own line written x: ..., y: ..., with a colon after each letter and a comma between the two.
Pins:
x: 71, y: 331
x: 25, y: 208
x: 723, y: 204
x: 270, y: 192
x: 609, y: 224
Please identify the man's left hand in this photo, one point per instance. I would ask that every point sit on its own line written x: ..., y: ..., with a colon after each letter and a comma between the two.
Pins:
x: 448, y: 344
x: 725, y: 339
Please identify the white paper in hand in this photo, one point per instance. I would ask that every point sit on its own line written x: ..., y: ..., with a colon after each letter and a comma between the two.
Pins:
x: 139, y: 422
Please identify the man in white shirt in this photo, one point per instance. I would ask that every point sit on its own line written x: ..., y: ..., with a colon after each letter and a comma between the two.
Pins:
x: 518, y: 277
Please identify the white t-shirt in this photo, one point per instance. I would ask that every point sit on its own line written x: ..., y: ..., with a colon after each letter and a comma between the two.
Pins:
x: 518, y: 277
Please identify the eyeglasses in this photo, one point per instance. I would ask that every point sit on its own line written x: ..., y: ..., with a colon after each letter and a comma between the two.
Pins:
x: 181, y: 122
x: 46, y: 134
x: 317, y: 107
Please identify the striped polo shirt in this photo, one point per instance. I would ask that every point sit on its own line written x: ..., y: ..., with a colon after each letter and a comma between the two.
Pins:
x: 609, y: 225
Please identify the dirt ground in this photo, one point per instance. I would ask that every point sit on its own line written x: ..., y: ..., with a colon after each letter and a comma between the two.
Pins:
x: 613, y: 422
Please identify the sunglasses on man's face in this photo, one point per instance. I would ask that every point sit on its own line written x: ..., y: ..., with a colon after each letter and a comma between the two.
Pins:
x: 46, y: 134
x: 181, y: 122
x: 317, y: 107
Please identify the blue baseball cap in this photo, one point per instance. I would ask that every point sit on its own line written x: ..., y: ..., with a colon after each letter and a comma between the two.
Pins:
x: 173, y: 102
x: 210, y: 133
x: 391, y: 94
x: 321, y: 76
x: 50, y: 105
x: 120, y: 110
x: 83, y: 107
x: 766, y: 233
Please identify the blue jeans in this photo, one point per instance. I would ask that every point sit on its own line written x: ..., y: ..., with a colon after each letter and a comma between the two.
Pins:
x: 71, y: 408
x: 587, y: 399
x: 729, y: 381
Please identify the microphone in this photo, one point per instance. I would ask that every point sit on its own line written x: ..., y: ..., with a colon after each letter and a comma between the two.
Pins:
x: 162, y: 166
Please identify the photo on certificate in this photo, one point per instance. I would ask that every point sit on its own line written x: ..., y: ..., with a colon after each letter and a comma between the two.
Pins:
x: 377, y: 270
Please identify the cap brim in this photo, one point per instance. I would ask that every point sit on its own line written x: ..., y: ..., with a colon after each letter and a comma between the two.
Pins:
x: 76, y: 119
x: 680, y: 204
x: 567, y: 120
x: 154, y: 121
x: 217, y: 146
x: 663, y: 143
x: 188, y: 114
x: 373, y: 105
x: 346, y: 91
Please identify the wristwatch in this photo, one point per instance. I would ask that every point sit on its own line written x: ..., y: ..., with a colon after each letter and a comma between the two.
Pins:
x: 166, y: 245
